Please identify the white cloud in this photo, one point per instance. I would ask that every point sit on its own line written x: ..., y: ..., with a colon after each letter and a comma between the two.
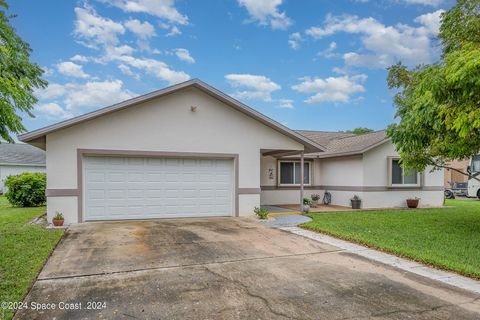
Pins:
x: 127, y: 71
x: 174, y: 31
x: 432, y: 3
x: 332, y: 89
x: 78, y: 98
x: 95, y: 94
x: 255, y: 86
x: 53, y: 111
x: 112, y: 52
x: 330, y: 51
x: 385, y: 45
x: 54, y: 90
x: 79, y: 58
x: 266, y: 12
x: 164, y: 9
x: 71, y: 69
x: 294, y: 40
x: 285, y: 103
x: 94, y: 30
x: 431, y: 21
x: 144, y: 30
x: 154, y: 67
x: 47, y: 71
x: 184, y: 55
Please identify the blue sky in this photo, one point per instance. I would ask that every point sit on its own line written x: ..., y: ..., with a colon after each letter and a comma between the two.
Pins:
x: 308, y: 64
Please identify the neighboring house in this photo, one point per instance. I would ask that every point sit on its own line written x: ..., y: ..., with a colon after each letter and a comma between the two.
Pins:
x: 452, y: 176
x: 190, y: 150
x: 18, y: 158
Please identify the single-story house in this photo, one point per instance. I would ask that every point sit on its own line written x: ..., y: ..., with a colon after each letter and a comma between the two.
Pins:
x: 452, y: 176
x: 190, y: 150
x: 16, y: 158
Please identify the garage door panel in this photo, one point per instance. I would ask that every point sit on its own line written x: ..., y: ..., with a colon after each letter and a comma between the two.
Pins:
x: 139, y: 188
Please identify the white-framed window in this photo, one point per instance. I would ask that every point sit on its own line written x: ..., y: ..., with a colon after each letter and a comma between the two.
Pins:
x: 475, y: 166
x: 289, y: 172
x: 400, y: 177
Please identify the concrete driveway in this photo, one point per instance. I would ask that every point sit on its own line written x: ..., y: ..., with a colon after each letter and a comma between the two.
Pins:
x: 226, y: 268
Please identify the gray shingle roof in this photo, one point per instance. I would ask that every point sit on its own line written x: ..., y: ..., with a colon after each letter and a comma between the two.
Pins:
x: 21, y: 154
x: 342, y: 143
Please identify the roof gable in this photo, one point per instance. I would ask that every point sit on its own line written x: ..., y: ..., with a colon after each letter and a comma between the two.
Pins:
x: 38, y: 136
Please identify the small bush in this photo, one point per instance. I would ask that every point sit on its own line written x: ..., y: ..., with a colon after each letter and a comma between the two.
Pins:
x: 307, y: 202
x: 26, y: 189
x: 261, y: 212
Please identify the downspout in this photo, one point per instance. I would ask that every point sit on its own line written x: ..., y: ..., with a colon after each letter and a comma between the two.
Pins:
x: 301, y: 179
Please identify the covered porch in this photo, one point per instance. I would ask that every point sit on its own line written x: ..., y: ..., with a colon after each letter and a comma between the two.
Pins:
x: 270, y: 168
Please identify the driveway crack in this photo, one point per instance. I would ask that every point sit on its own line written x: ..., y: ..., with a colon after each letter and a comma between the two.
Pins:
x: 247, y: 290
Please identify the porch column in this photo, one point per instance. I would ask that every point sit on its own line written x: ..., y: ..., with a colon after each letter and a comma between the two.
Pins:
x: 301, y: 180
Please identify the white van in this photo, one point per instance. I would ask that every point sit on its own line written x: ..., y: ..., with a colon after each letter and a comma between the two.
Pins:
x: 474, y: 178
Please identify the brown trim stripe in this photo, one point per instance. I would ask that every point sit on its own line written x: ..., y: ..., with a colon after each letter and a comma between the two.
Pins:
x: 249, y: 190
x: 357, y: 188
x: 62, y: 192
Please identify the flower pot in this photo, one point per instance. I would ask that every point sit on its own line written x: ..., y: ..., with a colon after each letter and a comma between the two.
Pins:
x: 356, y: 203
x: 306, y: 208
x: 412, y: 203
x: 58, y: 222
x: 314, y: 203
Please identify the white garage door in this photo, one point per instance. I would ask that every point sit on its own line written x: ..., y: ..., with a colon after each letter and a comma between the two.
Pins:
x: 119, y: 188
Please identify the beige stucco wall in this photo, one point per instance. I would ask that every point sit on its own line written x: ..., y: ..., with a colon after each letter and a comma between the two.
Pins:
x: 345, y: 171
x: 165, y: 124
x: 368, y: 171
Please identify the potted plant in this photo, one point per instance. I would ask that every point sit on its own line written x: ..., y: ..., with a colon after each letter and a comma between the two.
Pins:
x: 356, y: 202
x: 307, y: 203
x: 413, y: 202
x: 58, y: 219
x: 315, y: 198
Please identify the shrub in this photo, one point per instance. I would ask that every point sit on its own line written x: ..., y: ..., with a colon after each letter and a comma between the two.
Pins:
x: 261, y: 212
x: 315, y: 197
x: 307, y: 202
x: 26, y: 189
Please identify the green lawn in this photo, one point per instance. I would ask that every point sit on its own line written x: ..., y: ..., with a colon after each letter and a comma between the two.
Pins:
x: 24, y: 248
x: 448, y: 238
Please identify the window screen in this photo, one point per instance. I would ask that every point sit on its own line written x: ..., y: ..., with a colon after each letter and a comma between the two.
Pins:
x: 476, y: 163
x: 396, y: 172
x: 402, y: 176
x: 290, y: 172
x: 286, y: 172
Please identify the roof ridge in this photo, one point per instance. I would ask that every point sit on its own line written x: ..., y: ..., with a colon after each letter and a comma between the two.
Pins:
x: 360, y: 135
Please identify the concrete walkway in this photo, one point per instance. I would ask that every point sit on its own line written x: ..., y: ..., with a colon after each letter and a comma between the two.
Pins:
x: 391, y: 260
x: 285, y: 221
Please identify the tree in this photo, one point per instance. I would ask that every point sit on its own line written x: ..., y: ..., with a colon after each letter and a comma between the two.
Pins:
x: 360, y: 130
x: 438, y: 105
x: 18, y: 78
